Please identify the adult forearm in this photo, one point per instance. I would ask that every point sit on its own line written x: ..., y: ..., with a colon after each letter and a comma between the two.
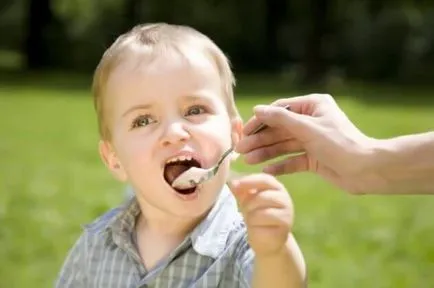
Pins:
x: 406, y: 164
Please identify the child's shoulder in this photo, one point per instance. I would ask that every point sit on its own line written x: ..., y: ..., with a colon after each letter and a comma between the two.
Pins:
x: 103, y: 221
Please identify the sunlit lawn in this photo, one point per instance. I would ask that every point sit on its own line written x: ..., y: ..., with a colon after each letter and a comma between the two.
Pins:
x: 52, y: 181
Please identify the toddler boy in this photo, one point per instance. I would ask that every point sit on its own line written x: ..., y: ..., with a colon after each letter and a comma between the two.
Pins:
x: 164, y: 100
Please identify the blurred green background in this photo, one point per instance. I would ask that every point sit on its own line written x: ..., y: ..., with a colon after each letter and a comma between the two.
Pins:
x: 375, y: 57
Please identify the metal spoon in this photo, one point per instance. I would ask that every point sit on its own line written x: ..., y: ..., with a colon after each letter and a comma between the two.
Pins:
x: 195, y: 176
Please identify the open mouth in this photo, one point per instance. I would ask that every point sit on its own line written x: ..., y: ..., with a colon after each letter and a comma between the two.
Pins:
x: 176, y: 167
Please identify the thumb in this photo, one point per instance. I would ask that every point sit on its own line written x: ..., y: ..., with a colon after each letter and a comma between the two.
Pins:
x: 276, y: 116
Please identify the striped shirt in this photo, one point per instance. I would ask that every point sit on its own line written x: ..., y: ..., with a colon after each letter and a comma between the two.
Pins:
x: 215, y: 254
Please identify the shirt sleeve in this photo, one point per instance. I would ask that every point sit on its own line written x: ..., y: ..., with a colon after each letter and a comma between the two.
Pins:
x: 73, y: 269
x: 244, y: 263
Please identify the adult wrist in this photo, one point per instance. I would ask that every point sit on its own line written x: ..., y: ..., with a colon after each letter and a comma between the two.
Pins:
x: 371, y: 158
x: 402, y: 164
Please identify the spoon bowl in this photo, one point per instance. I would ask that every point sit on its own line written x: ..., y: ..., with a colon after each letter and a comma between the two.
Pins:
x: 195, y: 176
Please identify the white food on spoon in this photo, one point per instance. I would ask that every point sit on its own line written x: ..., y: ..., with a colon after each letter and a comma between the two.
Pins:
x: 189, y: 178
x: 194, y: 176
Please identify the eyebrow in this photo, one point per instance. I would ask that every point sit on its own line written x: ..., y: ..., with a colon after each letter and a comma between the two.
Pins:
x: 137, y: 107
x: 199, y: 96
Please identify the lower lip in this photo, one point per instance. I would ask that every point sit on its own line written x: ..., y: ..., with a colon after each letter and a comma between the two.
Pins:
x: 189, y: 197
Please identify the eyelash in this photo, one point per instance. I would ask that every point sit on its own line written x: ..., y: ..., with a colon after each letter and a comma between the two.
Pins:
x: 203, y: 108
x: 139, y: 118
x: 135, y: 123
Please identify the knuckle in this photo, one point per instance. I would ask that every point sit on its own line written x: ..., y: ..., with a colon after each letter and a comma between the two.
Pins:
x: 323, y: 97
x: 280, y: 102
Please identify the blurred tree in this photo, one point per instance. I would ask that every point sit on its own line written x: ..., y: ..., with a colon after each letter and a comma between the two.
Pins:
x: 36, y: 48
x: 369, y: 40
x: 5, y: 4
x: 275, y: 12
x: 132, y: 13
x: 314, y: 64
x: 375, y: 7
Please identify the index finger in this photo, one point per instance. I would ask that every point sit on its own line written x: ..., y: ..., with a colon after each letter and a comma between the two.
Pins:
x: 298, y: 105
x: 259, y: 182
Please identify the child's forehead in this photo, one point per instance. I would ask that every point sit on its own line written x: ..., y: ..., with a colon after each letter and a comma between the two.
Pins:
x: 164, y: 78
x: 192, y: 68
x: 157, y: 62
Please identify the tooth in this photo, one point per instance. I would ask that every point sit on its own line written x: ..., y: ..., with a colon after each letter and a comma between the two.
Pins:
x: 179, y: 159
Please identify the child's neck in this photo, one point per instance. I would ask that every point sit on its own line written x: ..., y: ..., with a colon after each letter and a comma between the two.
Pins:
x: 156, y: 221
x: 156, y: 239
x: 166, y: 226
x: 158, y: 235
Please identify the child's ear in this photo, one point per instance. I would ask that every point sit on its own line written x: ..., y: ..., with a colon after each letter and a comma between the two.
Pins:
x: 111, y: 161
x: 237, y: 131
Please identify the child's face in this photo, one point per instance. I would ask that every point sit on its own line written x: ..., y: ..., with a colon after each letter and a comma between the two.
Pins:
x: 170, y: 107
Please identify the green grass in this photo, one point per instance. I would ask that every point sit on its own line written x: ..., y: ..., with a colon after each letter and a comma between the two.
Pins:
x: 52, y: 181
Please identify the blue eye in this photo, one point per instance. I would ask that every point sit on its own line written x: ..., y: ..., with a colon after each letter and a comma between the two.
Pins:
x: 196, y: 110
x: 141, y: 121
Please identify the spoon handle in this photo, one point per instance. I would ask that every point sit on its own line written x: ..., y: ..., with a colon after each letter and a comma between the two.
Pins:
x: 223, y: 157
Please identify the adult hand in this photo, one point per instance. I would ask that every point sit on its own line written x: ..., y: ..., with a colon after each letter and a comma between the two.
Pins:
x: 331, y: 145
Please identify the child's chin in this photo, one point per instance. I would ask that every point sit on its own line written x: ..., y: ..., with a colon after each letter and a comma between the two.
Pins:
x: 190, y: 214
x: 194, y: 205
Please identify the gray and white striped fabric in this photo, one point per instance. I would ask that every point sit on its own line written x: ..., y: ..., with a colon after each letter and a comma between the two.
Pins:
x: 215, y: 254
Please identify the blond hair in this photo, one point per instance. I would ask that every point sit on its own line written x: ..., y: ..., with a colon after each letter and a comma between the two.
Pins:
x: 155, y: 40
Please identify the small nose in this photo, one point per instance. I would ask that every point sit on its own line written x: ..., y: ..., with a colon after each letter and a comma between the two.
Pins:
x: 174, y: 133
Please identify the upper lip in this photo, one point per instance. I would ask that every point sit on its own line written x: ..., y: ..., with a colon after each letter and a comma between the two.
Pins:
x: 191, y: 154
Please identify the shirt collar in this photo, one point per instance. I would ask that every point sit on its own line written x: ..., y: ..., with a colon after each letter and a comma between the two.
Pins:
x: 208, y: 238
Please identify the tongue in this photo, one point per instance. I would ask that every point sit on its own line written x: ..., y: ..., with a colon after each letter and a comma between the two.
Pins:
x: 173, y: 171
